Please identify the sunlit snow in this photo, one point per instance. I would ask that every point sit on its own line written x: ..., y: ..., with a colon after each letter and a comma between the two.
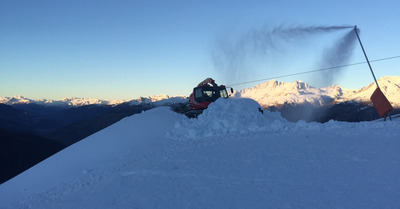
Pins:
x: 232, y: 156
x: 273, y: 92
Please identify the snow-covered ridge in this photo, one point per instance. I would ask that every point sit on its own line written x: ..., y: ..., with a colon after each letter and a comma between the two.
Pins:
x: 272, y: 93
x: 77, y: 102
x: 72, y: 101
x: 159, y: 100
x: 390, y: 86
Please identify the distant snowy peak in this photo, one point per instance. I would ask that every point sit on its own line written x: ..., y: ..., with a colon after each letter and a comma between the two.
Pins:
x: 77, y: 101
x: 73, y: 101
x: 15, y: 100
x: 272, y: 93
x: 297, y: 85
x: 159, y: 100
x: 390, y: 86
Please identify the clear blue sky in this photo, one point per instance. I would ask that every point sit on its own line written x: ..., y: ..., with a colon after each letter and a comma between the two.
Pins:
x: 126, y: 49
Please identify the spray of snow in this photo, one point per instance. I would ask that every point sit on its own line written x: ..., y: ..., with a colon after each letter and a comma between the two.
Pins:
x: 339, y: 54
x: 231, y: 57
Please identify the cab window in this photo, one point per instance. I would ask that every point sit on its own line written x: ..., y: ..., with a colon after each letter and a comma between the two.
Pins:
x: 199, y: 95
x: 223, y: 93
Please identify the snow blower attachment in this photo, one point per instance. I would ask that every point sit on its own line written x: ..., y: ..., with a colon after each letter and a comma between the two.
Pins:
x: 381, y: 103
x: 203, y: 95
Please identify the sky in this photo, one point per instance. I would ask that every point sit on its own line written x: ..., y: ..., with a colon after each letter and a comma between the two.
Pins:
x: 114, y: 50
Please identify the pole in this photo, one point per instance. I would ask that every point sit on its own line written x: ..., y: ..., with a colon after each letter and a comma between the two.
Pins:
x: 359, y: 40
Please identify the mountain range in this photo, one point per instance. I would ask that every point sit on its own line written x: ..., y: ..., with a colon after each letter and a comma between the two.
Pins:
x: 78, y: 102
x: 267, y: 94
x: 27, y: 124
x: 300, y: 101
x: 276, y: 93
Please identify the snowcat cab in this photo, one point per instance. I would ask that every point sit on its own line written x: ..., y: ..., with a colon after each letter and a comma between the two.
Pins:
x: 204, y: 94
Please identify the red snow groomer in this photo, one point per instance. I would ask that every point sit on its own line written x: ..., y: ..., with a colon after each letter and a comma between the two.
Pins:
x: 204, y: 94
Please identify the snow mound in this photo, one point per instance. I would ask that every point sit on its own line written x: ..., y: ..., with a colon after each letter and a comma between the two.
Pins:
x: 228, y: 116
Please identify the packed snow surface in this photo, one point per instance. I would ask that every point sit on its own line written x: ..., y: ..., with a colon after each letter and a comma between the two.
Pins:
x: 231, y: 156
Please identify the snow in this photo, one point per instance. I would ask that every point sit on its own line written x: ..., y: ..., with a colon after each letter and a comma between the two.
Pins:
x: 272, y: 93
x: 157, y: 100
x: 100, y: 150
x: 14, y: 100
x: 390, y: 86
x: 66, y: 102
x: 227, y: 116
x: 232, y: 156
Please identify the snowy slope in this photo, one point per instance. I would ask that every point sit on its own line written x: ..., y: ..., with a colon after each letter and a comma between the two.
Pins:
x: 272, y: 93
x: 230, y: 157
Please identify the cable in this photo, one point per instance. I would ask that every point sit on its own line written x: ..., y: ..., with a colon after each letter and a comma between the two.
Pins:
x: 313, y: 71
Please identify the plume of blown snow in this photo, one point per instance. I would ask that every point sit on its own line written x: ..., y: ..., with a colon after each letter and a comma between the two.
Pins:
x: 231, y: 56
